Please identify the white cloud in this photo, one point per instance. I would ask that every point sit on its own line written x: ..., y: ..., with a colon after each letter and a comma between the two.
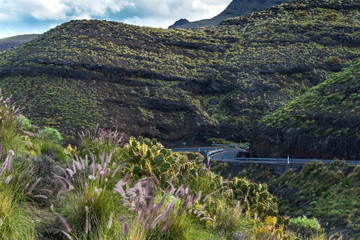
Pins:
x: 15, y: 14
x: 45, y: 10
x: 212, y: 7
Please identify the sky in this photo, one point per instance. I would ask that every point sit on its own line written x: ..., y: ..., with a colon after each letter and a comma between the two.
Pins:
x: 37, y: 16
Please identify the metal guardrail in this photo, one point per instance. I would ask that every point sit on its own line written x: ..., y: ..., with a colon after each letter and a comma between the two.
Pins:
x: 195, y: 149
x: 284, y: 160
x: 230, y: 146
x: 215, y: 151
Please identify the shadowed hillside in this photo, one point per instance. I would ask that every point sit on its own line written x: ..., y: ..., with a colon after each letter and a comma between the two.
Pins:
x: 324, y: 122
x: 180, y: 85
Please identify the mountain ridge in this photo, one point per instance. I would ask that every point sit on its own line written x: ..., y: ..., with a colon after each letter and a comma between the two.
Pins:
x: 234, y: 9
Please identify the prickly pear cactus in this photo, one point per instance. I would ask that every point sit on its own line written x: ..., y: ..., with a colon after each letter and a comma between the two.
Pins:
x: 145, y: 157
x: 256, y: 197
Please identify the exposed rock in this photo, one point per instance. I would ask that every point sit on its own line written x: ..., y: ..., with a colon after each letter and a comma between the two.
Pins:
x: 179, y: 22
x: 235, y: 9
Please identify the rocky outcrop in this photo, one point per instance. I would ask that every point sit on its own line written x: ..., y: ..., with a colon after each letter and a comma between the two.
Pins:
x: 236, y: 8
x: 179, y: 22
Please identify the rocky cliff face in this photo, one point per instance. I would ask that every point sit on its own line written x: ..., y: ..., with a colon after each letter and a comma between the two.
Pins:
x: 179, y: 85
x: 236, y: 8
x: 323, y: 123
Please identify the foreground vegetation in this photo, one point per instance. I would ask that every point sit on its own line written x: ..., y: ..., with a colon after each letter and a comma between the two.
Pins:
x: 105, y: 189
x: 328, y: 192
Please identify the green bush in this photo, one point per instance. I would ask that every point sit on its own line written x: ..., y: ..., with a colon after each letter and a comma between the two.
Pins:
x: 25, y: 123
x: 50, y: 134
x: 305, y: 227
x: 334, y: 60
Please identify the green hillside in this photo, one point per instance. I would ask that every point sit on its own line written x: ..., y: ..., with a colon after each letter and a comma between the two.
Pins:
x: 180, y: 85
x: 329, y: 192
x: 323, y: 122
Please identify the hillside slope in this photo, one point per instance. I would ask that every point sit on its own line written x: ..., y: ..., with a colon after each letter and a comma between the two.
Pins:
x: 236, y: 8
x: 329, y: 192
x: 180, y: 85
x: 15, y: 41
x: 324, y: 122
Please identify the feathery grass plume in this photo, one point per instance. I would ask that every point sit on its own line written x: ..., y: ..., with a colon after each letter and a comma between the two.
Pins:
x: 8, y: 179
x: 126, y: 228
x: 67, y: 235
x: 34, y: 185
x: 110, y: 220
x: 66, y: 224
x: 87, y: 222
x: 155, y: 210
x: 100, y: 140
x: 86, y: 201
x: 40, y: 196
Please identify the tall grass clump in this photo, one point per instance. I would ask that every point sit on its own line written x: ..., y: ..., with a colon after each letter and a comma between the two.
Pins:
x: 99, y: 140
x: 16, y: 184
x: 230, y: 221
x: 159, y: 214
x: 11, y: 132
x: 86, y: 201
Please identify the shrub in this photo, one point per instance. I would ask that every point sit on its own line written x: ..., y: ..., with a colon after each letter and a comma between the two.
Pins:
x: 50, y: 148
x: 51, y: 134
x: 334, y: 60
x: 305, y: 227
x: 25, y: 123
